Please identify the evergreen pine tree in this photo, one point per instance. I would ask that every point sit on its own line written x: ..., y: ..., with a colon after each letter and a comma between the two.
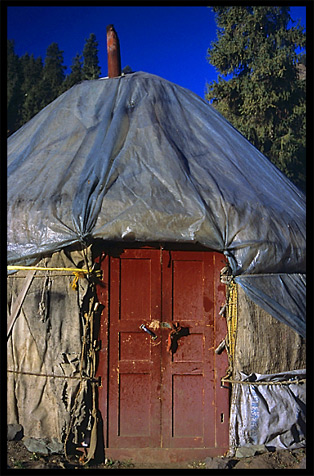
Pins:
x: 259, y: 88
x: 14, y: 91
x: 32, y: 75
x: 91, y: 69
x: 76, y: 75
x: 53, y: 74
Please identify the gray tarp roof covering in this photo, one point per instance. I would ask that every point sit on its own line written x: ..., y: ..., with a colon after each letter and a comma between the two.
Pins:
x: 138, y: 157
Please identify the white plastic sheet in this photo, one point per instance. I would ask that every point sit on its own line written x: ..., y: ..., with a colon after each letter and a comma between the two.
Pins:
x: 270, y: 415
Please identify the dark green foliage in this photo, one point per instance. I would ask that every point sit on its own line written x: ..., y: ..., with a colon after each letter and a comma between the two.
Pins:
x: 91, y: 69
x: 33, y: 93
x: 14, y: 91
x: 53, y: 72
x: 76, y: 75
x: 31, y: 85
x: 260, y: 89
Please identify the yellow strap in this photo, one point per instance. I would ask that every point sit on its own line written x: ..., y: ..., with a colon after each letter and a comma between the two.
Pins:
x: 78, y: 272
x: 38, y: 268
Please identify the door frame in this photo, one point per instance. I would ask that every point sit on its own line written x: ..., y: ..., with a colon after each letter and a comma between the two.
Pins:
x: 104, y: 251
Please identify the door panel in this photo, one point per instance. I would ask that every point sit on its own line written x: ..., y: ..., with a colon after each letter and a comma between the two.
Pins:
x: 135, y: 288
x: 134, y: 403
x: 187, y: 288
x: 188, y: 374
x: 134, y: 360
x: 187, y: 417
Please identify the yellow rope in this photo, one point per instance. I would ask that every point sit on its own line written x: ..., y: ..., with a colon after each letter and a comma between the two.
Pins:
x: 232, y: 317
x: 78, y: 272
x: 77, y: 275
x: 232, y: 324
x: 42, y: 268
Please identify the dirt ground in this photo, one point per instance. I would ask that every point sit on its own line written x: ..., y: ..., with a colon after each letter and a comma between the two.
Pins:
x: 18, y: 457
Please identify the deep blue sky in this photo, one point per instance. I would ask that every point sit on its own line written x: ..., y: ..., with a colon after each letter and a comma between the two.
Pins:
x: 171, y: 42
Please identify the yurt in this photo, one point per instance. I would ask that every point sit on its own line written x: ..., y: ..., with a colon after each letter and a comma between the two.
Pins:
x: 156, y: 279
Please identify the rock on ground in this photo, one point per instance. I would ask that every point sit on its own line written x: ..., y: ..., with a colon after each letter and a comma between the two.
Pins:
x: 14, y: 432
x: 218, y: 463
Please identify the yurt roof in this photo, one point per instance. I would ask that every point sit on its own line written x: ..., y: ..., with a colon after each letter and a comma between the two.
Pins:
x: 139, y: 158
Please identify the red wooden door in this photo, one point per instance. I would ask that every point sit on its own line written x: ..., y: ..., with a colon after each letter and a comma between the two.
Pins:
x: 134, y: 362
x: 189, y: 404
x: 163, y: 405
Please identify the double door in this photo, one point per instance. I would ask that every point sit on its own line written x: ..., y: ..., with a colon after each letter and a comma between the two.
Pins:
x: 161, y: 396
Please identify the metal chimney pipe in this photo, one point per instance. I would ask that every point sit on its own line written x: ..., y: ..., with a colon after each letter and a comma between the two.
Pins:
x: 113, y: 51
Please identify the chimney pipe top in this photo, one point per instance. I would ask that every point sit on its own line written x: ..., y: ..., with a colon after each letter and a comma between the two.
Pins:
x: 113, y: 52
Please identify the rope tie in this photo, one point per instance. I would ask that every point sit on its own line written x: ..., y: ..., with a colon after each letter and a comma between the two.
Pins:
x: 284, y: 382
x: 230, y: 341
x: 232, y: 325
x: 78, y: 272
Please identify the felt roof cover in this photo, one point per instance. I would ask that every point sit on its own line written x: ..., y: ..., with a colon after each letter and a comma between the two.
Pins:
x: 140, y: 158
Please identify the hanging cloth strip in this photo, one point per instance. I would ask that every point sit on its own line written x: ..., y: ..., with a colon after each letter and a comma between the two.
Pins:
x: 19, y: 301
x: 78, y: 273
x: 88, y: 353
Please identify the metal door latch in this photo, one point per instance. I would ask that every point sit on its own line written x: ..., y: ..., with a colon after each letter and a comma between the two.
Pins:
x: 166, y: 324
x: 176, y: 334
x: 151, y: 333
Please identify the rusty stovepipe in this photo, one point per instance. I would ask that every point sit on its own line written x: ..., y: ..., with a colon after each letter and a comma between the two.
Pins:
x: 113, y: 51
